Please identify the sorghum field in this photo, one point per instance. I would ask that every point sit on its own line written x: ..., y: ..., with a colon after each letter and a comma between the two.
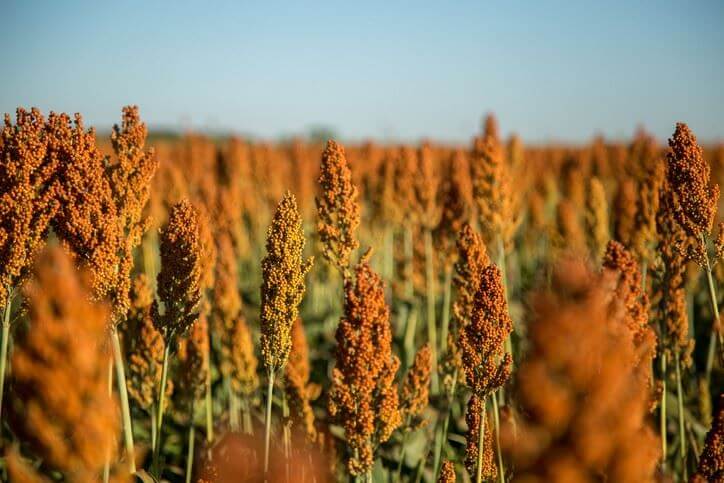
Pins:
x: 225, y: 310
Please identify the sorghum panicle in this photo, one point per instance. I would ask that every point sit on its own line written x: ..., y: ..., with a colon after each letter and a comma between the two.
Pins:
x: 130, y: 175
x: 60, y: 405
x: 27, y: 201
x: 193, y: 362
x: 482, y: 341
x: 493, y: 189
x: 144, y: 345
x: 688, y: 176
x: 584, y: 409
x: 87, y: 219
x: 447, y: 472
x: 363, y: 397
x: 596, y: 218
x: 179, y: 279
x: 297, y: 386
x: 282, y: 289
x: 457, y: 204
x: 416, y: 390
x: 711, y: 461
x: 337, y: 207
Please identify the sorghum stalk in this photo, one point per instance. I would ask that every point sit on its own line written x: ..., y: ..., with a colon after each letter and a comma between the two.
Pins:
x: 154, y: 429
x: 233, y: 408
x: 246, y: 418
x: 107, y: 467
x: 439, y: 447
x: 209, y: 406
x: 389, y: 247
x: 481, y: 445
x: 496, y: 420
x: 662, y: 416
x: 190, y: 452
x: 680, y: 402
x: 402, y: 451
x: 267, y: 421
x: 715, y: 311
x: 4, y: 347
x: 431, y: 326
x: 125, y: 407
x: 161, y: 407
x: 446, y: 300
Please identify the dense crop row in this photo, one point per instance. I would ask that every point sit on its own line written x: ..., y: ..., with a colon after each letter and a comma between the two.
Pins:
x: 227, y: 310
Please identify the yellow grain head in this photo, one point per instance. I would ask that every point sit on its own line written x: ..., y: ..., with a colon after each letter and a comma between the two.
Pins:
x: 338, y: 211
x: 282, y: 289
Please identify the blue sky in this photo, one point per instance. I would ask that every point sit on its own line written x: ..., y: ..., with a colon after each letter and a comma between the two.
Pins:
x: 391, y: 70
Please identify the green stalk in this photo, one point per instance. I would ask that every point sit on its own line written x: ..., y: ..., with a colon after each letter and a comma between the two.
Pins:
x: 409, y: 255
x: 248, y: 429
x: 267, y: 422
x: 446, y: 300
x: 496, y: 420
x: 107, y: 465
x: 431, y: 325
x: 154, y: 428
x: 233, y: 408
x: 481, y: 446
x: 209, y: 409
x: 389, y: 244
x: 504, y: 275
x: 662, y: 417
x: 402, y: 451
x: 410, y: 330
x: 125, y: 407
x: 715, y: 311
x: 286, y: 436
x: 190, y: 453
x: 680, y: 402
x: 161, y: 408
x: 4, y: 346
x: 439, y: 446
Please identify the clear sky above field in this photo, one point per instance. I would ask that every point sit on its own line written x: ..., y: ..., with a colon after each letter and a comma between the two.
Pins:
x: 403, y: 70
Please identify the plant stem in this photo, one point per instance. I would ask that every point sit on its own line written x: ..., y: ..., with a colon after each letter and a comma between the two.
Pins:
x: 4, y: 346
x: 267, y: 423
x: 715, y: 312
x: 190, y: 453
x: 389, y: 244
x: 154, y: 429
x: 125, y: 407
x: 402, y: 451
x: 248, y: 429
x: 680, y: 402
x: 209, y: 409
x: 662, y: 408
x: 481, y: 445
x: 504, y: 276
x: 107, y: 465
x: 161, y: 408
x: 440, y: 446
x: 446, y: 300
x: 431, y: 325
x: 410, y: 330
x: 287, y: 438
x: 233, y: 408
x: 496, y: 420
